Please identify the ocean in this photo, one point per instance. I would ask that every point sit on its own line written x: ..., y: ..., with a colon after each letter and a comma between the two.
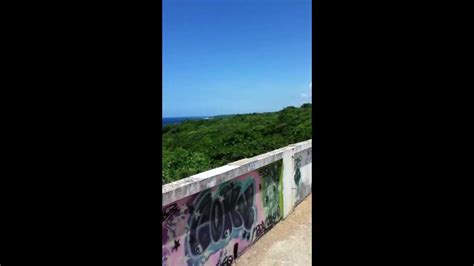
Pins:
x: 176, y: 120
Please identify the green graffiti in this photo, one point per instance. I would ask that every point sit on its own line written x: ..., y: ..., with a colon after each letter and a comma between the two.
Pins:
x: 271, y: 189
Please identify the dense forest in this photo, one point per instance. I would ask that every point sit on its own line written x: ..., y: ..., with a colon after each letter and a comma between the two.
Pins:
x: 197, y: 146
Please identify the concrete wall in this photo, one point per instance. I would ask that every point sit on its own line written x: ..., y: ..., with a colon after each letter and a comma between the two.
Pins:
x: 302, y: 176
x: 212, y: 217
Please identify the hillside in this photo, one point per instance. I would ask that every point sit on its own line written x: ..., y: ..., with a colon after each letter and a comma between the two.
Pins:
x: 196, y: 146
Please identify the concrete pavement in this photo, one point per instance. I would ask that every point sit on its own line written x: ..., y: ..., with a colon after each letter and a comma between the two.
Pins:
x: 288, y: 243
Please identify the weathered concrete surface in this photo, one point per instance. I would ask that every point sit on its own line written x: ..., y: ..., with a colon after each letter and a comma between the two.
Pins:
x: 194, y: 184
x: 288, y: 243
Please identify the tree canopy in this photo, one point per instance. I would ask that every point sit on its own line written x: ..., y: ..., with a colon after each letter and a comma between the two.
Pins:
x: 197, y: 146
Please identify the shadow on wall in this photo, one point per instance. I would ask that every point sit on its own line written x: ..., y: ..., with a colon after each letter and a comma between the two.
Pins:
x: 215, y: 226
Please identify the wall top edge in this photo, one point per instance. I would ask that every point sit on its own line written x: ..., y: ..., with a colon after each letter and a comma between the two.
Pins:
x: 224, y: 173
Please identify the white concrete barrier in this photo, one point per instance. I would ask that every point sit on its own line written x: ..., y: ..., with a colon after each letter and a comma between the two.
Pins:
x: 292, y: 192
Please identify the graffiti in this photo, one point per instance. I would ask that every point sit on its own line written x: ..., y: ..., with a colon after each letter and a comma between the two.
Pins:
x: 173, y: 208
x: 227, y: 261
x: 246, y: 235
x: 264, y: 227
x: 302, y: 162
x: 297, y: 170
x: 236, y: 250
x: 176, y: 245
x: 309, y: 156
x: 271, y: 175
x: 260, y: 229
x: 273, y: 219
x: 213, y: 226
x: 210, y: 223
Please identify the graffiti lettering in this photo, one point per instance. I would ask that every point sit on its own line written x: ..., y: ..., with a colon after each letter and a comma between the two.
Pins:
x: 227, y: 261
x: 264, y: 227
x: 227, y: 218
x: 215, y: 224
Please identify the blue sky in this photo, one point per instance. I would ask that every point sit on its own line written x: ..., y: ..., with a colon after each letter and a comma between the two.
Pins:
x: 235, y: 56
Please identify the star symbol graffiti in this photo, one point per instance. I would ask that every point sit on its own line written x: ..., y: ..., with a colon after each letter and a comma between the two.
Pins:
x: 176, y: 245
x: 221, y: 198
x: 197, y: 214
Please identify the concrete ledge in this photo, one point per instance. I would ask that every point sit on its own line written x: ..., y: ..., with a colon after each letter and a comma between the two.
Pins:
x: 188, y: 186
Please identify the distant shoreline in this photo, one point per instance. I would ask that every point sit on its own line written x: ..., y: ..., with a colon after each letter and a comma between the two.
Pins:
x: 176, y: 120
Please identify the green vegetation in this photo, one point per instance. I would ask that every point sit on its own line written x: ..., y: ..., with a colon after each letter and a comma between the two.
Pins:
x: 197, y: 146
